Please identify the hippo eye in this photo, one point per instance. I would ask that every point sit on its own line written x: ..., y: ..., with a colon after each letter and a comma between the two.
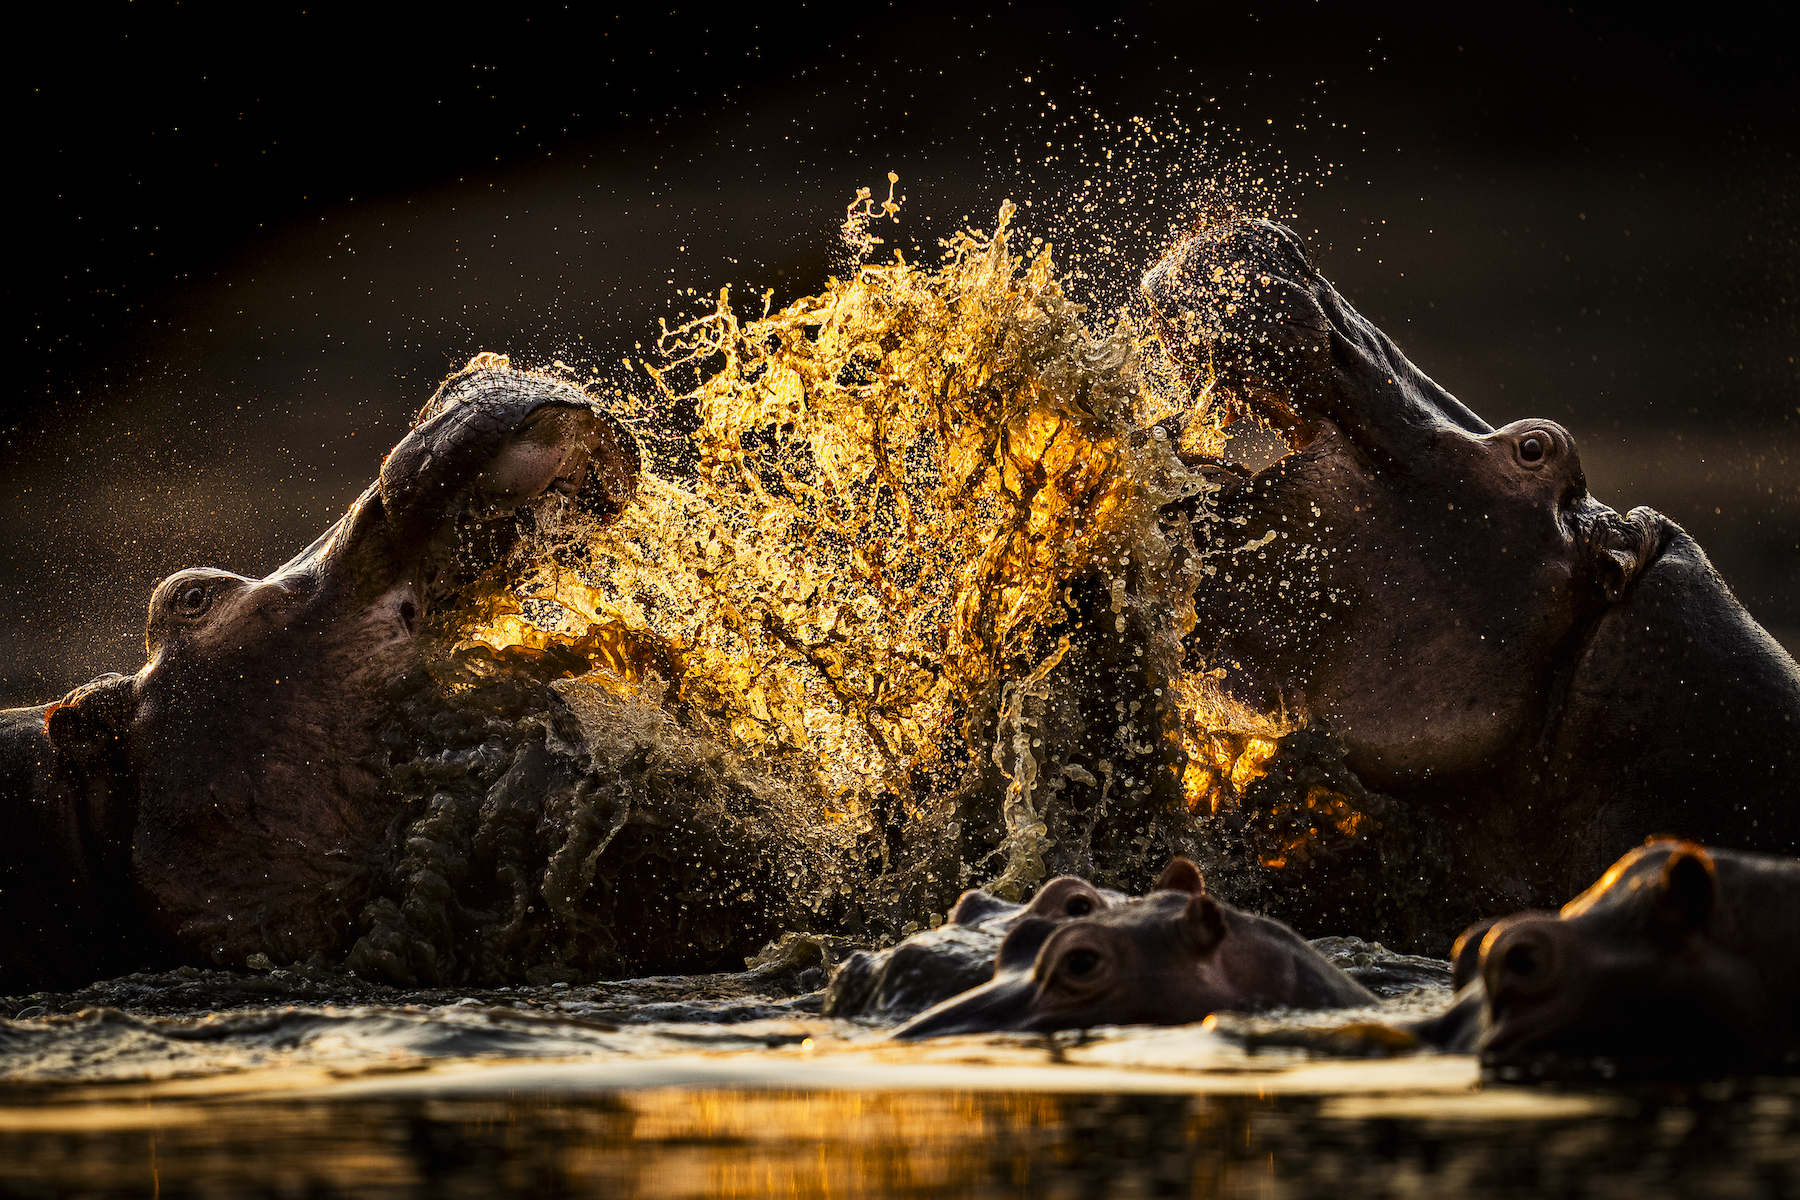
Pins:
x: 1079, y: 906
x: 192, y: 600
x: 1532, y: 449
x: 1080, y: 962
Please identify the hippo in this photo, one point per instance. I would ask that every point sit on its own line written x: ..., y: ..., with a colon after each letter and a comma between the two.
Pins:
x: 1681, y: 959
x: 224, y: 801
x: 930, y: 967
x: 1172, y: 957
x: 1535, y: 681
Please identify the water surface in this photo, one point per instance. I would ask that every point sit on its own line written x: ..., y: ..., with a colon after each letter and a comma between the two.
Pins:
x: 655, y: 1088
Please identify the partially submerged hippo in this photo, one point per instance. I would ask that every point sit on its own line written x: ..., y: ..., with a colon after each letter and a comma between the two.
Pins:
x: 1680, y: 958
x: 226, y: 799
x: 933, y: 966
x: 1174, y: 956
x: 1539, y: 681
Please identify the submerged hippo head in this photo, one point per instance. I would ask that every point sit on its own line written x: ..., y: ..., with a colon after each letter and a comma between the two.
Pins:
x: 1172, y: 957
x: 1676, y: 955
x: 244, y: 786
x: 936, y: 964
x: 1484, y: 635
x: 1057, y: 899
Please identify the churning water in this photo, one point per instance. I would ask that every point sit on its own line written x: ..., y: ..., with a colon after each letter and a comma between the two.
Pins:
x: 799, y: 688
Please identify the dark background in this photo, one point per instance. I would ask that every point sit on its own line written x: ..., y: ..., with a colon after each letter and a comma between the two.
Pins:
x: 247, y: 247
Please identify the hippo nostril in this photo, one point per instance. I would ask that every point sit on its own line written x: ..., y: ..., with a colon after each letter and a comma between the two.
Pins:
x: 1522, y: 960
x: 408, y: 613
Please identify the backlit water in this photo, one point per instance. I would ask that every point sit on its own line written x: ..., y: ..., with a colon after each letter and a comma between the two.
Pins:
x: 875, y: 525
x: 671, y: 1087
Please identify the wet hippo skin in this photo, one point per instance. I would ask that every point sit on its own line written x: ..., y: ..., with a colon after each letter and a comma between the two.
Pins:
x: 930, y: 967
x: 1679, y: 958
x: 224, y: 800
x: 1542, y: 681
x: 1174, y: 956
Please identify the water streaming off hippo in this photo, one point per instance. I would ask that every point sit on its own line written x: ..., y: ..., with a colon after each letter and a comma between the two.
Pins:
x: 899, y: 609
x: 923, y: 521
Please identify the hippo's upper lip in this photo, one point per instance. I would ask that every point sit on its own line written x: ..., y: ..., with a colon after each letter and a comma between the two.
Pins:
x: 1244, y: 314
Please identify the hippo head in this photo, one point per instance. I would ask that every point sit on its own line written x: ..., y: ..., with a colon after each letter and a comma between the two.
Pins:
x: 1643, y: 965
x: 1067, y: 897
x: 1446, y: 596
x: 1171, y: 957
x: 1058, y: 899
x: 931, y: 966
x: 247, y: 741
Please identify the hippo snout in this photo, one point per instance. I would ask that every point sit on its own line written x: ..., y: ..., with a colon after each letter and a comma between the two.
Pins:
x: 1007, y: 1000
x: 1533, y: 970
x: 1002, y: 1003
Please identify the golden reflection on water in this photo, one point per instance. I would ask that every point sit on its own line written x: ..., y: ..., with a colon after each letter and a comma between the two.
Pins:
x: 676, y: 1142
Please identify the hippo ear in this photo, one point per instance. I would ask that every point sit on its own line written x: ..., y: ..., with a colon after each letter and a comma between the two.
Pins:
x: 1203, y: 924
x: 1686, y: 895
x: 1180, y: 875
x: 1465, y: 955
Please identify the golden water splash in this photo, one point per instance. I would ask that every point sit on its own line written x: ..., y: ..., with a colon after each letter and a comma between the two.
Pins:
x: 1300, y: 820
x: 898, y: 479
x: 1227, y: 743
x: 855, y: 232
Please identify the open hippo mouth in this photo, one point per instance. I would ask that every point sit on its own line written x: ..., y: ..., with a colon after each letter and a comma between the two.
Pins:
x: 1249, y: 320
x: 1429, y: 535
x: 1446, y: 596
x: 233, y: 790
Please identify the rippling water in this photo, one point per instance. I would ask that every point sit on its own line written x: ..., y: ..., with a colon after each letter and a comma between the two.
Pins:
x: 733, y: 1086
x: 873, y: 535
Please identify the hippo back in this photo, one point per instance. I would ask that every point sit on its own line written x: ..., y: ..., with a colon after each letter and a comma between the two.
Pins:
x: 1317, y: 981
x: 1681, y: 717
